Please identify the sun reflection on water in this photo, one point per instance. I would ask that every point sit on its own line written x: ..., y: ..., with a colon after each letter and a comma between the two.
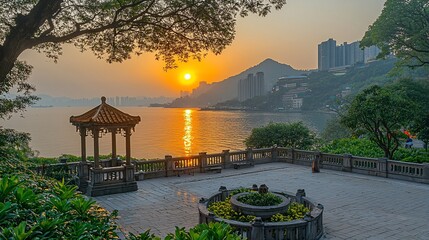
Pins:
x: 187, y: 135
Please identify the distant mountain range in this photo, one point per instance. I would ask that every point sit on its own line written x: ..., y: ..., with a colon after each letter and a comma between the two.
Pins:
x: 227, y: 89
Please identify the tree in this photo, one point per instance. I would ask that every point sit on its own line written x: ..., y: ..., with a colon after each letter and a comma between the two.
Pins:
x: 175, y: 30
x: 335, y: 130
x: 380, y: 114
x: 293, y: 135
x: 14, y: 145
x: 402, y: 29
x: 422, y: 129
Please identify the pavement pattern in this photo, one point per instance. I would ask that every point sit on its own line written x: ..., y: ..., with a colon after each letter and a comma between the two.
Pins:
x: 356, y: 206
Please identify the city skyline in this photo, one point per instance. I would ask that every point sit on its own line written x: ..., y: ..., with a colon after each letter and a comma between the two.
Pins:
x: 292, y: 38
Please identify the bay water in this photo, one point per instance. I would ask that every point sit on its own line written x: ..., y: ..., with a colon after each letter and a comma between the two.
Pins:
x: 162, y: 131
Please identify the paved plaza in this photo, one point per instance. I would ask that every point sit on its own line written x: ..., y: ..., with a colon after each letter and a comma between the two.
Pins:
x: 356, y: 206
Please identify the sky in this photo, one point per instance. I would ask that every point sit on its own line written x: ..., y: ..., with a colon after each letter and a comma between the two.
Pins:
x: 289, y: 36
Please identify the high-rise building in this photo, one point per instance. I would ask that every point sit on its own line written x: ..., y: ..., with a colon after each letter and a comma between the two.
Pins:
x: 332, y: 56
x: 251, y: 86
x: 326, y: 53
x: 371, y: 53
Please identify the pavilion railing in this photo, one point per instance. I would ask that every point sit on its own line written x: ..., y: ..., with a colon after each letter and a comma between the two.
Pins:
x: 171, y: 166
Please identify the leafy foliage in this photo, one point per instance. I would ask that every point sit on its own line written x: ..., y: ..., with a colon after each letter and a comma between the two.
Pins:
x: 380, y: 114
x: 334, y: 130
x: 402, y: 29
x: 295, y: 211
x: 355, y: 146
x: 212, y: 231
x: 366, y: 148
x: 257, y: 199
x: 32, y: 207
x: 294, y: 135
x: 175, y: 30
x: 14, y: 144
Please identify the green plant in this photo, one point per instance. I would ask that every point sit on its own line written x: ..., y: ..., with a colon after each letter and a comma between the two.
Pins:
x: 294, y: 212
x: 147, y: 235
x: 294, y: 135
x: 257, y: 199
x: 212, y: 231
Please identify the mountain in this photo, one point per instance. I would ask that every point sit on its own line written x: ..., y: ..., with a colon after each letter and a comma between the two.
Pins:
x: 227, y: 89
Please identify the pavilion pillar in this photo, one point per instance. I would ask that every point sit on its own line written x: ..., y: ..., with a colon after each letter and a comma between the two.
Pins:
x: 82, y: 132
x: 114, y: 158
x: 128, y: 145
x: 95, y: 133
x: 83, y: 169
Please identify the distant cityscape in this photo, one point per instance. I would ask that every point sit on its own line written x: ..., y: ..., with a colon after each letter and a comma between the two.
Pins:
x: 331, y: 56
x: 47, y: 101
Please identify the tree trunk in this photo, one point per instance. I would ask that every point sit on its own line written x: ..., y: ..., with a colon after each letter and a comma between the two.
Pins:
x: 20, y: 36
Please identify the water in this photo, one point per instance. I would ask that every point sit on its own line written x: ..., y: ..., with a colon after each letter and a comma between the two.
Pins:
x: 176, y: 132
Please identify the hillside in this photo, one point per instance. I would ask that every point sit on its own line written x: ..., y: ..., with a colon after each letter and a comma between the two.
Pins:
x: 227, y: 89
x: 326, y: 87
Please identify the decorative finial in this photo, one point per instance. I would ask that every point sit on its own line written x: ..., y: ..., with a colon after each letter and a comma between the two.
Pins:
x: 103, y: 99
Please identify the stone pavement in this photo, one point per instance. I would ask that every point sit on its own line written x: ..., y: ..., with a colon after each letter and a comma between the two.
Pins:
x: 356, y: 206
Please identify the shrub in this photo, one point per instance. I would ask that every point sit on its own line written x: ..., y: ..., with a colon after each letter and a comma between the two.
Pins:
x: 34, y: 207
x: 257, y: 199
x: 293, y: 135
x: 365, y: 148
x: 354, y: 146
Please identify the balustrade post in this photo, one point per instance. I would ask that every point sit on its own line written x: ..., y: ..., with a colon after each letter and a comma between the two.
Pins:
x: 258, y: 229
x: 129, y: 173
x: 224, y: 192
x: 347, y: 163
x: 168, y: 165
x: 315, y: 165
x: 202, y: 158
x: 382, y: 167
x: 300, y: 193
x: 83, y: 173
x: 426, y: 172
x: 274, y: 154
x: 226, y: 158
x: 293, y: 155
x: 249, y: 154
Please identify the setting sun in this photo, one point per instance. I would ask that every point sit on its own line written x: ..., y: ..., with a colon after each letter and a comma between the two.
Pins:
x: 187, y: 76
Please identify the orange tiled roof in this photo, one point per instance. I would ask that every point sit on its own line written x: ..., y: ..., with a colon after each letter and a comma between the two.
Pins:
x: 104, y: 115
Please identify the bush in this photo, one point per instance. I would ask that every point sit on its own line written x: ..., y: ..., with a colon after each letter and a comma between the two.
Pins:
x: 354, y: 146
x: 33, y: 207
x: 293, y: 135
x: 257, y: 199
x: 14, y: 144
x: 365, y: 148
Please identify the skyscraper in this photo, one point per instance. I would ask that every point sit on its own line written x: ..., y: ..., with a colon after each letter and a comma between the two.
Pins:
x: 326, y: 53
x: 251, y: 86
x: 331, y: 56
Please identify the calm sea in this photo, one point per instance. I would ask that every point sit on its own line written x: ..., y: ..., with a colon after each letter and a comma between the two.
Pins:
x: 161, y: 132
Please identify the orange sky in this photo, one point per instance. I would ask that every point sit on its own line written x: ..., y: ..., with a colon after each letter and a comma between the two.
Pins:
x: 289, y: 36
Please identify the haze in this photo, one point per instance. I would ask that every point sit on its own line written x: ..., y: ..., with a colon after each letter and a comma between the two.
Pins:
x: 289, y: 36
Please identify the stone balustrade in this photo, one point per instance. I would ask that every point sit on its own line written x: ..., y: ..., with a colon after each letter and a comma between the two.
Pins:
x: 170, y: 166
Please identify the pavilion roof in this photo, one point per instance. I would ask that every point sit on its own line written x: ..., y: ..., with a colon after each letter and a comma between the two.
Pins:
x: 104, y: 115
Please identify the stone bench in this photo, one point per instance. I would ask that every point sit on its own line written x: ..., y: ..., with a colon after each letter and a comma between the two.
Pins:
x: 185, y: 170
x: 213, y: 169
x: 241, y: 164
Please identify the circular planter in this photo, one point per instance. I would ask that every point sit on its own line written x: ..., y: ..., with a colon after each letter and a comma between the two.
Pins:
x: 259, y: 211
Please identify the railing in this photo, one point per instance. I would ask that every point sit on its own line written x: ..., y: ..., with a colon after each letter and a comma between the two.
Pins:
x: 199, y: 163
x: 238, y: 156
x: 215, y: 159
x: 113, y: 174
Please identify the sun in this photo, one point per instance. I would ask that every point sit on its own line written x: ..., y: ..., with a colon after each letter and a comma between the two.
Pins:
x: 188, y: 76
